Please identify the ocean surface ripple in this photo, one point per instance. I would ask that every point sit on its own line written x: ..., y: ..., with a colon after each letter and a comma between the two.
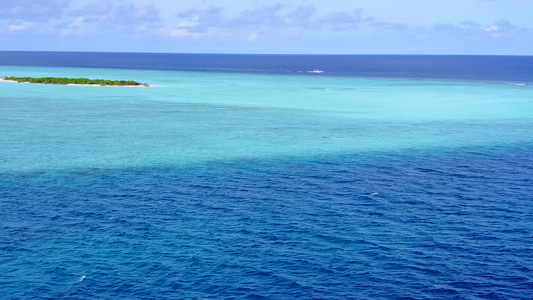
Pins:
x: 393, y: 225
x: 245, y: 176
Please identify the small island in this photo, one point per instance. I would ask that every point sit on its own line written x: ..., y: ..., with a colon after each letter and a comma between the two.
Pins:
x: 75, y: 81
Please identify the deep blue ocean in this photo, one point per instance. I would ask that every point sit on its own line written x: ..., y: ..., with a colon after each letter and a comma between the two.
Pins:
x: 249, y: 177
x: 476, y: 68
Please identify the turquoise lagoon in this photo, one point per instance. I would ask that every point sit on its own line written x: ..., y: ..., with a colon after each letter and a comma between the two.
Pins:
x: 196, y: 118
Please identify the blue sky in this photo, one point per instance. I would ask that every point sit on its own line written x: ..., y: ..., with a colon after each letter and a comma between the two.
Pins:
x: 270, y: 26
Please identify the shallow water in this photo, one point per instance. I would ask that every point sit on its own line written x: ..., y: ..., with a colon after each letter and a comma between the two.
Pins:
x: 206, y: 117
x: 222, y: 185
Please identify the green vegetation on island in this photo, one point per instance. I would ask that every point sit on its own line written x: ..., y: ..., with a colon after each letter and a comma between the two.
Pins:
x: 56, y: 80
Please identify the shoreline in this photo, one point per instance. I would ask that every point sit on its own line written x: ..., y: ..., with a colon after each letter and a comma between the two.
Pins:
x: 2, y: 79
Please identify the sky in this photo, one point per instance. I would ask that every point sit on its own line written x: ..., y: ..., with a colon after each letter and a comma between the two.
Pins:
x: 487, y: 27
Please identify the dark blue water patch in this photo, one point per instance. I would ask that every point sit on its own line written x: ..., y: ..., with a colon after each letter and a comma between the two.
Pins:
x: 512, y: 69
x: 406, y: 225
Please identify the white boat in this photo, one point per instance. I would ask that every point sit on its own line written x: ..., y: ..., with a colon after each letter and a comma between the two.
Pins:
x: 316, y: 71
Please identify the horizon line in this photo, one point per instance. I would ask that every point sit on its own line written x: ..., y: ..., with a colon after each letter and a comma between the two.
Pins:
x: 265, y: 54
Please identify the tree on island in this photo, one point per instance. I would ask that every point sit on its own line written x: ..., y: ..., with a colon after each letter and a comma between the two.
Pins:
x: 57, y: 80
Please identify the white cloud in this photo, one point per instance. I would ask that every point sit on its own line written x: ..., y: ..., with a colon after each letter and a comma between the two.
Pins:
x: 32, y: 10
x: 289, y: 24
x: 493, y: 29
x: 137, y: 14
x: 101, y: 8
x: 21, y: 26
x: 189, y: 23
x: 75, y: 27
x: 252, y: 37
x: 503, y: 27
x: 178, y: 32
